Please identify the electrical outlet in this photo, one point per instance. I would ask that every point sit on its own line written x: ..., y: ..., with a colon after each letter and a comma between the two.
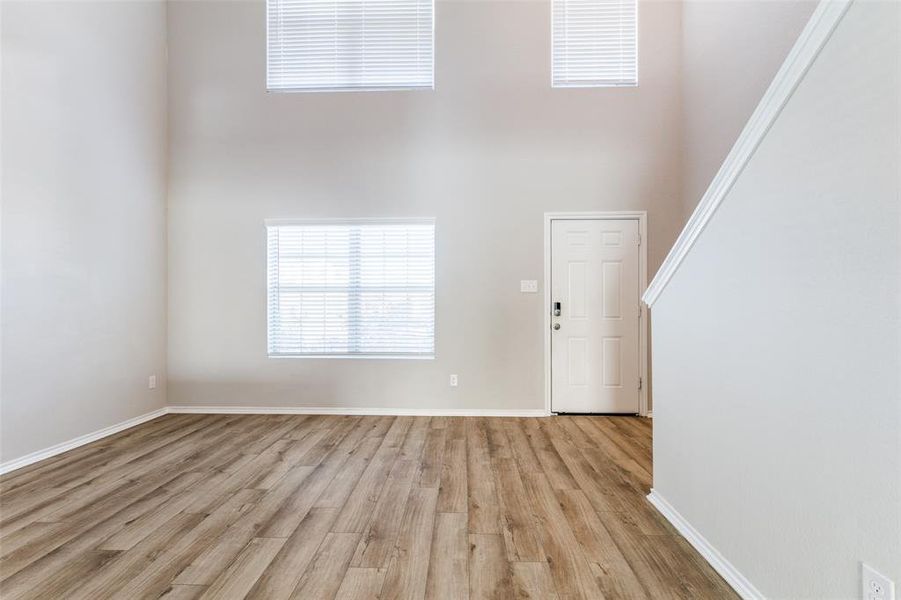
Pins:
x: 453, y: 380
x: 874, y: 585
x: 151, y: 382
x: 528, y: 286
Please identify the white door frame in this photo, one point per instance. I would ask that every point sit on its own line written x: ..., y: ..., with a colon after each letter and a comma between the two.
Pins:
x: 642, y: 217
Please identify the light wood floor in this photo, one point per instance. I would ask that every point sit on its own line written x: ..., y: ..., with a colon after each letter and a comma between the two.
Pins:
x: 279, y: 506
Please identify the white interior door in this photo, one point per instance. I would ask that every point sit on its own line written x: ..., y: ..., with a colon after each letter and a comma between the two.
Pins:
x: 594, y: 340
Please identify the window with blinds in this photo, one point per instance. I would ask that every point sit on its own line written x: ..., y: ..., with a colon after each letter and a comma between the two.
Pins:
x: 351, y: 288
x: 594, y: 43
x: 322, y: 45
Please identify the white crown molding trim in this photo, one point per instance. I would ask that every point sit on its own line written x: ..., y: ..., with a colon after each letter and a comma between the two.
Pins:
x: 816, y: 33
x: 333, y: 410
x: 40, y: 455
x: 727, y: 570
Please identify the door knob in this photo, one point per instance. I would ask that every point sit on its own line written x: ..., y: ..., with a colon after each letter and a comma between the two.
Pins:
x: 556, y: 326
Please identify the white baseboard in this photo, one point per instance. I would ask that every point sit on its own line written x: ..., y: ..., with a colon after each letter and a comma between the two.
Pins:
x: 650, y: 414
x: 34, y: 457
x: 727, y: 570
x: 332, y: 410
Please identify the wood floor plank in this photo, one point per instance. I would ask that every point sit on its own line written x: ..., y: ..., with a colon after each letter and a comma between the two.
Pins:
x: 498, y: 444
x: 583, y: 472
x: 160, y: 574
x: 356, y: 511
x: 322, y: 506
x: 449, y: 563
x: 610, y: 451
x: 452, y: 492
x: 613, y: 574
x: 361, y: 584
x: 654, y: 560
x: 518, y: 524
x: 84, y: 530
x: 533, y: 581
x: 114, y: 477
x: 641, y: 455
x: 552, y: 464
x: 519, y: 444
x: 484, y: 506
x: 27, y: 535
x: 183, y: 592
x: 243, y: 573
x: 327, y: 443
x: 324, y: 576
x: 439, y: 422
x: 378, y: 539
x: 432, y: 457
x: 117, y: 572
x: 59, y: 582
x: 208, y: 565
x: 287, y: 568
x: 415, y: 439
x: 341, y: 486
x: 286, y: 519
x: 569, y: 568
x: 490, y: 574
x: 151, y: 521
x: 408, y: 570
x: 71, y: 468
x: 277, y: 427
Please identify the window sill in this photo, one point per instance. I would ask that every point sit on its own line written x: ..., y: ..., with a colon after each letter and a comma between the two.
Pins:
x: 359, y: 356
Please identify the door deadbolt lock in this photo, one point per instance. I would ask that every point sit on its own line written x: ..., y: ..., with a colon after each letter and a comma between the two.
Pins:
x: 556, y: 326
x: 557, y: 311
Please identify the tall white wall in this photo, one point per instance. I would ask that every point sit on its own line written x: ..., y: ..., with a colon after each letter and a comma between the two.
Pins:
x: 731, y: 49
x: 487, y: 153
x: 83, y: 226
x: 777, y: 430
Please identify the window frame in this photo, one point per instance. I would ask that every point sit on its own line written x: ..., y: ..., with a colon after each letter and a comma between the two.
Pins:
x: 351, y: 88
x: 282, y: 222
x: 596, y: 85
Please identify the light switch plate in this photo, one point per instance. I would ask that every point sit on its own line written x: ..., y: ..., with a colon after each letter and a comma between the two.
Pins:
x: 528, y: 286
x: 151, y: 382
x: 874, y: 585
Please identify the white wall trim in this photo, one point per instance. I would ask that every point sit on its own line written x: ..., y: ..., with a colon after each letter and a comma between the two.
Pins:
x: 816, y: 33
x: 40, y: 455
x: 727, y: 570
x: 642, y: 217
x: 34, y: 457
x: 333, y: 410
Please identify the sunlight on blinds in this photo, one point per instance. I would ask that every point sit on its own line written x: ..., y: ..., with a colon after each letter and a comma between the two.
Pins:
x: 352, y: 288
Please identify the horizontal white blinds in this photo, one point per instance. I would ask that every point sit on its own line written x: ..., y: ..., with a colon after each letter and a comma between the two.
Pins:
x: 595, y: 43
x: 352, y: 288
x: 349, y: 44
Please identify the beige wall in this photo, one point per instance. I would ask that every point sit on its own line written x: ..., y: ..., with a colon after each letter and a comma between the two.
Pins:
x: 731, y: 50
x: 83, y: 228
x: 777, y: 423
x: 486, y: 153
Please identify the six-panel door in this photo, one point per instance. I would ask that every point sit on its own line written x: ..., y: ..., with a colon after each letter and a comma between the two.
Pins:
x: 594, y: 340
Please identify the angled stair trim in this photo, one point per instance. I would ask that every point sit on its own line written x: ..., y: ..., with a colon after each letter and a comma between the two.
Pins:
x: 816, y: 33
